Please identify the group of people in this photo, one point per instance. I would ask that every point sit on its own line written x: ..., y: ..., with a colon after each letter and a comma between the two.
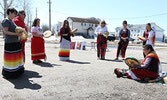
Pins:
x: 124, y: 36
x: 150, y: 66
x: 14, y: 48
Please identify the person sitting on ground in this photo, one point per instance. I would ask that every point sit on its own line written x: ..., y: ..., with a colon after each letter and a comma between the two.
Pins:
x: 149, y: 68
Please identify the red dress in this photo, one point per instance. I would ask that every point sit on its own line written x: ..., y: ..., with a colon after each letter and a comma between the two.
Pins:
x: 37, y: 45
x: 20, y: 23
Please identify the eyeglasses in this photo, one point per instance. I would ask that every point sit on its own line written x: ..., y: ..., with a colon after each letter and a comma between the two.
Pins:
x: 102, y: 23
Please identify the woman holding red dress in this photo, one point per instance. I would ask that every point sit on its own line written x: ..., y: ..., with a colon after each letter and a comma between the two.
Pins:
x: 101, y: 40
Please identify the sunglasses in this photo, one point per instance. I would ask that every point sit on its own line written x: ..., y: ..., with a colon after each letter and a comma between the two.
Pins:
x: 24, y: 14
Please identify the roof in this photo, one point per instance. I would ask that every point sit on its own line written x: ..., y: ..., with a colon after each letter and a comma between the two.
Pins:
x: 84, y: 20
x: 139, y: 26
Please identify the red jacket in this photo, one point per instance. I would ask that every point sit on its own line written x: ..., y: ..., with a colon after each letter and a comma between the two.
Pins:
x: 20, y: 23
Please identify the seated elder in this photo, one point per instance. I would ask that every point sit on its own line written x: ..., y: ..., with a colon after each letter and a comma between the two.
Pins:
x: 149, y: 68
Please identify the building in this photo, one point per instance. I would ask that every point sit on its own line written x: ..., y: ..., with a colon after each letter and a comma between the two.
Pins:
x: 58, y: 26
x: 85, y: 26
x: 138, y: 30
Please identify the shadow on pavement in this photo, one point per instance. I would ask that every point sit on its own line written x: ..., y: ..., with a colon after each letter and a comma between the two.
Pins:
x: 46, y: 64
x: 113, y: 60
x: 163, y: 62
x: 77, y: 62
x: 25, y: 82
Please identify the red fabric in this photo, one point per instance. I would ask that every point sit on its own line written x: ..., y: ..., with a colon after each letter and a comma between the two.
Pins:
x: 72, y: 45
x: 154, y: 55
x: 145, y: 34
x: 154, y: 39
x: 64, y: 54
x: 124, y: 35
x: 79, y: 45
x: 19, y: 22
x: 122, y: 48
x: 37, y: 47
x: 101, y: 45
x: 143, y: 73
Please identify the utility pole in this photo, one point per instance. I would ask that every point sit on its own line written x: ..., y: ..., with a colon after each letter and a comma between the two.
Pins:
x: 30, y: 21
x: 36, y: 12
x: 50, y: 15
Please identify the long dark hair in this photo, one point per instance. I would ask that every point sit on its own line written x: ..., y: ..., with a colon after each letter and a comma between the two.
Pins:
x: 35, y: 22
x: 149, y: 26
x: 64, y: 23
x: 148, y: 46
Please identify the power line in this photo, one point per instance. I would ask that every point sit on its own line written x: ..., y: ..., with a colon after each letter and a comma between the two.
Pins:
x: 141, y: 17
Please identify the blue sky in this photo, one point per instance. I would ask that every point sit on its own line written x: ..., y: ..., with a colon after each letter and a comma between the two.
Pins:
x: 113, y: 11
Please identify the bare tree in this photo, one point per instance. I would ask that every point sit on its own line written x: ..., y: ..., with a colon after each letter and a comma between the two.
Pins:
x: 45, y: 28
x: 26, y: 6
x: 18, y: 4
x: 5, y: 4
x: 53, y: 30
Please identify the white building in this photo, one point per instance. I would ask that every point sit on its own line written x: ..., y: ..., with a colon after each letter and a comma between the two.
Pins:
x: 58, y: 26
x: 138, y: 30
x: 85, y: 26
